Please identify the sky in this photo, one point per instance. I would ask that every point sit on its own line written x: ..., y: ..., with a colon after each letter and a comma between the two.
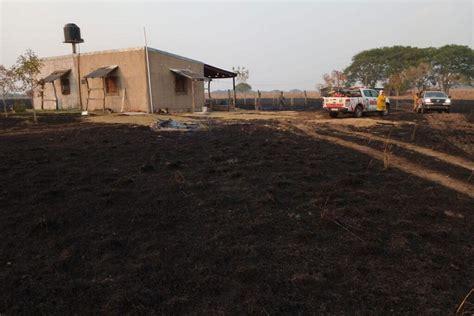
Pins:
x: 285, y: 45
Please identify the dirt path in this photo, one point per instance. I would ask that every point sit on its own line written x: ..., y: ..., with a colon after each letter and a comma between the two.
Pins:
x: 458, y: 161
x: 394, y: 161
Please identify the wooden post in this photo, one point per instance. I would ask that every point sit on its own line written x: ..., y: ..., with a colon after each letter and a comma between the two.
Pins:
x: 259, y: 96
x: 194, y: 99
x: 255, y: 102
x: 235, y: 96
x: 245, y: 98
x: 55, y: 95
x: 209, y: 90
x: 396, y: 101
x: 292, y: 102
x: 103, y: 88
x: 42, y: 96
x: 124, y: 91
x: 88, y: 94
x: 305, y: 99
x: 228, y: 100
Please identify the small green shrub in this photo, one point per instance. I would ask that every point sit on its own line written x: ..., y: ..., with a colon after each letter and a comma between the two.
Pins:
x: 19, y: 106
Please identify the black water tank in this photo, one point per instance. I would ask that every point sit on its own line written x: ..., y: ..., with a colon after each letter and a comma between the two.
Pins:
x: 72, y: 33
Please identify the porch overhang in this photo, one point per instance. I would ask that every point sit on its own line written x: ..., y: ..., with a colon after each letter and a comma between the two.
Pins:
x: 56, y: 75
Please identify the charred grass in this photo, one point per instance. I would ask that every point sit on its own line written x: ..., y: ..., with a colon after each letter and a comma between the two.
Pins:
x: 239, y: 218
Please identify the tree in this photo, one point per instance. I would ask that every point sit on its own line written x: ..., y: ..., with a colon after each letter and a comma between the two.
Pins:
x: 27, y: 69
x: 447, y: 65
x: 367, y: 67
x: 7, y: 84
x: 453, y: 64
x: 379, y: 64
x: 335, y: 79
x: 243, y: 87
x: 242, y: 74
x: 419, y: 77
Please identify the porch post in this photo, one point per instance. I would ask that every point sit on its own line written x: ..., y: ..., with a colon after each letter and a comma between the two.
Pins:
x: 55, y: 95
x: 194, y: 99
x: 235, y: 97
x: 209, y: 89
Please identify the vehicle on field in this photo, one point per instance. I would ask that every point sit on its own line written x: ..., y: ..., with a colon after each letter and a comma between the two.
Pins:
x: 356, y: 101
x: 433, y: 101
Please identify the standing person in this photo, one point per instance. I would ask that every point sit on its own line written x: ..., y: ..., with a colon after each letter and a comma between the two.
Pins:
x: 381, y: 103
x: 415, y: 101
x: 281, y: 101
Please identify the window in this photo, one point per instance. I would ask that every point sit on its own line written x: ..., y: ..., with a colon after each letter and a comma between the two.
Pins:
x: 375, y: 93
x: 111, y: 85
x: 367, y: 93
x: 435, y: 95
x: 180, y: 85
x: 65, y: 86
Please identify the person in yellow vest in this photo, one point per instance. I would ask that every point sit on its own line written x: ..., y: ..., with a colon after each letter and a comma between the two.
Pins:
x: 381, y: 103
x: 415, y: 101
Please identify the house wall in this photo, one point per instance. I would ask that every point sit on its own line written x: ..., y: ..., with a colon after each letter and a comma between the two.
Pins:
x: 131, y: 73
x: 132, y: 77
x: 64, y: 101
x: 163, y: 82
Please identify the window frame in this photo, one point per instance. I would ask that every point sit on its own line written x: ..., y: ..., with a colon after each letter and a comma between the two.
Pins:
x: 184, y: 85
x: 107, y: 87
x: 62, y: 85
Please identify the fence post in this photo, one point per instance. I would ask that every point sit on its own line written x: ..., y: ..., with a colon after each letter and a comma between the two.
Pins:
x: 259, y: 99
x: 228, y: 99
x: 305, y: 99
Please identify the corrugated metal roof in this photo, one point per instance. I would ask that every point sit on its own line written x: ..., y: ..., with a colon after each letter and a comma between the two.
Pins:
x: 188, y: 74
x: 101, y: 72
x: 56, y: 75
x: 214, y: 72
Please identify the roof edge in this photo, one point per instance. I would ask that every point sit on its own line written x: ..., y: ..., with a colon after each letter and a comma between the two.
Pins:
x: 119, y: 50
x: 150, y: 49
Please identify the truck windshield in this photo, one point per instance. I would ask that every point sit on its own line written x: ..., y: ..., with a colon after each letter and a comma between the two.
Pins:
x: 435, y: 95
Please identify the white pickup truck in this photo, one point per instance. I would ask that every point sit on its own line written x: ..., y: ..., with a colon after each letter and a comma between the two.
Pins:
x: 354, y: 100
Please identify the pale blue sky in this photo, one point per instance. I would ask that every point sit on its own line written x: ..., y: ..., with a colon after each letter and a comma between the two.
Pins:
x: 285, y: 45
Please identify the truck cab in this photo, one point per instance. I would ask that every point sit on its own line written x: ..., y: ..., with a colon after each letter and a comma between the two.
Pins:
x: 433, y: 101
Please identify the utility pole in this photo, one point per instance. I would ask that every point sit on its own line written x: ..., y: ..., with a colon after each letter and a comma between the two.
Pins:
x: 150, y: 95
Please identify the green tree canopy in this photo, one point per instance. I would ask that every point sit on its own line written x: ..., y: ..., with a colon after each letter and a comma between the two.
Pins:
x: 27, y: 68
x: 404, y: 66
x: 243, y: 87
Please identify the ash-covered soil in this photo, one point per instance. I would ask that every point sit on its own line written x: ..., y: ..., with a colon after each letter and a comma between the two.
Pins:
x: 234, y: 218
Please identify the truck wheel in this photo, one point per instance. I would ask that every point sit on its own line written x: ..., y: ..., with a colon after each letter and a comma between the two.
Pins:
x: 333, y: 114
x: 358, y: 111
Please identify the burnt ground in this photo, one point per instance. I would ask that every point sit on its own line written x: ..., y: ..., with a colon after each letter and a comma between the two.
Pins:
x: 449, y: 133
x: 242, y: 217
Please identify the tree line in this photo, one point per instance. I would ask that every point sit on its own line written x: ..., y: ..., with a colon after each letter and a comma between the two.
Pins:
x: 399, y: 68
x: 20, y: 77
